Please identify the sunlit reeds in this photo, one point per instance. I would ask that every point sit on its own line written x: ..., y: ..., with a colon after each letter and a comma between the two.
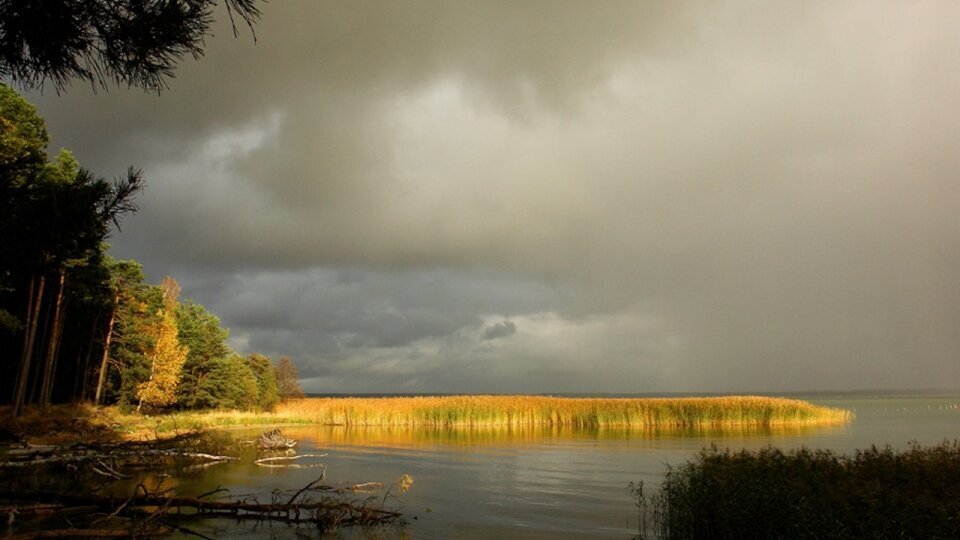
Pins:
x: 649, y: 414
x: 461, y: 411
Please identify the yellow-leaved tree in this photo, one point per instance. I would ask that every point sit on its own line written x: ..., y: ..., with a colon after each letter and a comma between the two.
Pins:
x: 166, y: 355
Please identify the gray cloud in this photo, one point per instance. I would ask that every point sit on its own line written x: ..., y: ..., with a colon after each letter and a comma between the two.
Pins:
x: 765, y: 192
x: 499, y: 330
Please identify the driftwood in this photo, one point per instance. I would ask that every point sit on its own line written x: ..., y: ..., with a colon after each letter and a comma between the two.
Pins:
x: 325, y: 512
x: 146, y: 513
x: 29, y: 451
x: 282, y: 462
x: 274, y: 440
x: 93, y: 456
x: 103, y: 458
x: 141, y: 457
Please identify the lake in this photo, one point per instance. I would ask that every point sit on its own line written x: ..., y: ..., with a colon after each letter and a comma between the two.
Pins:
x: 543, y: 482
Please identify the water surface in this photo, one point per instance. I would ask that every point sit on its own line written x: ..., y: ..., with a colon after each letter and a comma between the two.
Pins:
x: 546, y: 482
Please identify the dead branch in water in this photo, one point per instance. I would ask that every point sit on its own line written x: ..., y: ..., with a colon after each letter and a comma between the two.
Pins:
x: 141, y: 455
x: 105, y: 459
x: 274, y: 440
x: 273, y: 462
x: 160, y: 511
x: 323, y: 512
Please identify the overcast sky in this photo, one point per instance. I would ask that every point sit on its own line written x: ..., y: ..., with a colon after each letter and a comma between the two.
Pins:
x: 559, y: 196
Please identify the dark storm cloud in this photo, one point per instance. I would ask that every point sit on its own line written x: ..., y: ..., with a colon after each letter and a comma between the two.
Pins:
x: 369, y: 310
x: 660, y: 196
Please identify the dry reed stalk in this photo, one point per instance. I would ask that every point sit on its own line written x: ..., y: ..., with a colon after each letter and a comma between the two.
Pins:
x: 480, y: 410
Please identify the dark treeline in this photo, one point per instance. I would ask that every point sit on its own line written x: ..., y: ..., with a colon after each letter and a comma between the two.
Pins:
x: 78, y: 325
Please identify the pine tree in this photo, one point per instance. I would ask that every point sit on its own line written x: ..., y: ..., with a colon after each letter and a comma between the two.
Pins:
x: 129, y: 42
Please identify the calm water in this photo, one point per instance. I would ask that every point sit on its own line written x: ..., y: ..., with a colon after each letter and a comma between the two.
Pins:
x: 544, y: 483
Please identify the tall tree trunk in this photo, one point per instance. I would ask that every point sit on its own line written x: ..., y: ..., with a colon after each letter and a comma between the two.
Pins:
x: 47, y: 397
x: 106, y: 348
x: 46, y: 389
x: 41, y: 340
x: 35, y: 294
x: 28, y: 316
x: 20, y: 386
x: 56, y: 349
x: 81, y: 385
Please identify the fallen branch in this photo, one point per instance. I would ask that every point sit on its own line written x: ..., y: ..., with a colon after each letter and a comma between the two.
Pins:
x: 306, y: 487
x: 271, y: 461
x: 100, y: 456
x: 218, y: 489
x: 155, y: 511
x: 108, y: 471
x: 323, y: 511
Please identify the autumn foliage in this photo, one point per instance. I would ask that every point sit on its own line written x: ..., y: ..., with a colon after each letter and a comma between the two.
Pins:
x: 166, y: 356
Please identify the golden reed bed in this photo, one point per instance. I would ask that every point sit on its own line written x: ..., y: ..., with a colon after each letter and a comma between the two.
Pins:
x: 445, y: 411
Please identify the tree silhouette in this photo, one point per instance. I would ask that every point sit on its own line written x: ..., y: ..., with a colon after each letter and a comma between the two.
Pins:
x: 55, y: 217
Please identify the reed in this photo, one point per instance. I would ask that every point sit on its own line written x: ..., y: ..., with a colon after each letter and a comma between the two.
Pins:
x: 877, y: 493
x: 475, y: 411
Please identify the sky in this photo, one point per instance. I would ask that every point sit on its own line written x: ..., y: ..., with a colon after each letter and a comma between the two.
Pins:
x: 556, y: 196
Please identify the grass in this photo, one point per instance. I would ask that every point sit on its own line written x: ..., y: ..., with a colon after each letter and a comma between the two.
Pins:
x: 877, y: 493
x: 474, y: 411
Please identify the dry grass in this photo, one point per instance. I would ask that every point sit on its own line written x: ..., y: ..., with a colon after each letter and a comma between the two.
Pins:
x: 472, y: 411
x: 59, y: 424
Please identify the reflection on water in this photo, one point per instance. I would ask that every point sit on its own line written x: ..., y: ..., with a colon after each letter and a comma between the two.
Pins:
x: 472, y: 439
x: 545, y: 482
